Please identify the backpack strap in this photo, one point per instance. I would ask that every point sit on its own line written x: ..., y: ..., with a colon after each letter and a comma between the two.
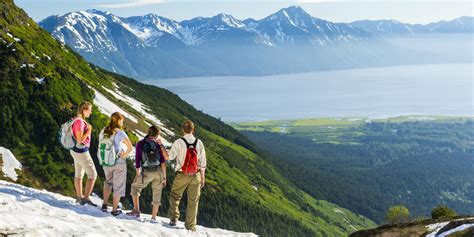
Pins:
x: 190, y: 144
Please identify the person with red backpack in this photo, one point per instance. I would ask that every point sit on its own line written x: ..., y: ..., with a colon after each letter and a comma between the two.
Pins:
x: 150, y: 167
x: 190, y: 168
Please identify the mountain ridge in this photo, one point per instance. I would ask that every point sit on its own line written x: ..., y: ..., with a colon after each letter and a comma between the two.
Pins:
x: 288, y: 41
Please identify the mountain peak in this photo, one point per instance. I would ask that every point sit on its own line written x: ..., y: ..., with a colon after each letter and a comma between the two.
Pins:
x: 293, y: 11
x: 228, y: 20
x: 99, y: 12
x: 291, y: 14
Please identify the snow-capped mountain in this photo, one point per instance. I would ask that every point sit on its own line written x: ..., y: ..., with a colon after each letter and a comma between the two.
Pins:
x: 97, y: 30
x: 463, y: 24
x: 384, y: 27
x: 152, y: 46
x: 295, y: 26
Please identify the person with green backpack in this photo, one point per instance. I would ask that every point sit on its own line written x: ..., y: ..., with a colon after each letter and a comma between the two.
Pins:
x: 113, y: 157
x: 150, y: 165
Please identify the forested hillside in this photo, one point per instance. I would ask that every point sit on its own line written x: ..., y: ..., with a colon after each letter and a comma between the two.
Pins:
x: 368, y: 165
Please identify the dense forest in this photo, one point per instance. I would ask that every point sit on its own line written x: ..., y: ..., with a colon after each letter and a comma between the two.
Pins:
x: 42, y: 81
x: 369, y: 167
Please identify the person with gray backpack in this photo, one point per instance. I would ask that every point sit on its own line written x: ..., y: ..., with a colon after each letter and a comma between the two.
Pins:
x: 113, y: 157
x: 75, y: 136
x: 150, y: 165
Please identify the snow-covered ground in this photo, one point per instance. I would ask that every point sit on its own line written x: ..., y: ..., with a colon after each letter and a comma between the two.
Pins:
x: 435, y: 228
x: 32, y: 212
x: 27, y: 211
x: 9, y: 164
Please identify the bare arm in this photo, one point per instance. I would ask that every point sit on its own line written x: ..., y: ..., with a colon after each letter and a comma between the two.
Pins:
x: 129, y: 148
x: 164, y: 152
x: 203, y: 177
x: 163, y: 170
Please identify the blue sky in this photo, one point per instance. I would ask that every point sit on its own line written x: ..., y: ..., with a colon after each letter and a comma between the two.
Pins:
x: 410, y: 11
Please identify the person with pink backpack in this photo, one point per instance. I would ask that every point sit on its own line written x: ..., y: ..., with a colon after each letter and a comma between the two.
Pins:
x: 190, y: 169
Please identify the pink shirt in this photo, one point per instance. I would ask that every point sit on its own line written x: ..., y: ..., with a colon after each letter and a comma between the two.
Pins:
x: 81, y: 125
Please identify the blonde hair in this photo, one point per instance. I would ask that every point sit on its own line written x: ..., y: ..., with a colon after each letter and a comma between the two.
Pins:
x: 83, y: 106
x: 114, y: 124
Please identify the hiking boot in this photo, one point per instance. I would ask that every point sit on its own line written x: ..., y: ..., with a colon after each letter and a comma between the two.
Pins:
x: 172, y: 223
x: 116, y: 213
x: 104, y: 208
x: 78, y: 200
x: 134, y: 213
x: 88, y: 202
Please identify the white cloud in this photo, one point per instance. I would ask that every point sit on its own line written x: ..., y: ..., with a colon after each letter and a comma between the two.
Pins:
x: 134, y: 3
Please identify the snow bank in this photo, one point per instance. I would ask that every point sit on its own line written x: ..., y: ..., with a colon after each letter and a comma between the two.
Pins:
x: 32, y: 212
x: 107, y: 107
x: 457, y: 229
x: 10, y: 163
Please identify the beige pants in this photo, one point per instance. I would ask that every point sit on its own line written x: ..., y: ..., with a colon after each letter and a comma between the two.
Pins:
x: 116, y: 178
x: 153, y: 177
x: 83, y: 164
x: 180, y: 184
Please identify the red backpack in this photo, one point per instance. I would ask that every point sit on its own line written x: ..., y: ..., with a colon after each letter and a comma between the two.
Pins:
x: 190, y: 165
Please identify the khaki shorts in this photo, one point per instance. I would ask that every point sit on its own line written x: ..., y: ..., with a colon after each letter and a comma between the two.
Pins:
x: 153, y: 177
x: 116, y: 178
x: 83, y: 164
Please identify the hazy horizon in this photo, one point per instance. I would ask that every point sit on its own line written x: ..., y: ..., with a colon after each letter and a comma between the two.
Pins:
x: 413, y: 12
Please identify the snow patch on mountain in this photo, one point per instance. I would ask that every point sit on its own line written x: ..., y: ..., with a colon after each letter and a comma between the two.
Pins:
x: 9, y: 164
x: 140, y: 107
x: 32, y: 212
x: 107, y: 107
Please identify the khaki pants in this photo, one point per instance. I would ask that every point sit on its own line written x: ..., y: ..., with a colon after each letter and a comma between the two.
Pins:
x: 83, y: 164
x: 116, y: 178
x: 180, y: 184
x: 153, y: 177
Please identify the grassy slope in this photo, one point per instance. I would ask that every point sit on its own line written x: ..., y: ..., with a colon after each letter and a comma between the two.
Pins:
x: 31, y: 115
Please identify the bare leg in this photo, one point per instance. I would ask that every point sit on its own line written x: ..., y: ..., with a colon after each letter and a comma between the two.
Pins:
x: 116, y: 200
x: 89, y: 186
x: 78, y: 186
x: 154, y: 211
x: 106, y: 195
x: 136, y: 203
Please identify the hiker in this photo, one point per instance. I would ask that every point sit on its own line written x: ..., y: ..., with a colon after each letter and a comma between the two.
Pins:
x: 116, y: 169
x: 190, y: 174
x: 150, y: 167
x: 80, y: 153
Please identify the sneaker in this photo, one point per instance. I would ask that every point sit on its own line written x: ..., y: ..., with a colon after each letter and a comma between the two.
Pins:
x: 116, y: 213
x: 88, y: 202
x: 134, y: 213
x: 104, y: 208
x: 172, y: 223
x: 153, y: 221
